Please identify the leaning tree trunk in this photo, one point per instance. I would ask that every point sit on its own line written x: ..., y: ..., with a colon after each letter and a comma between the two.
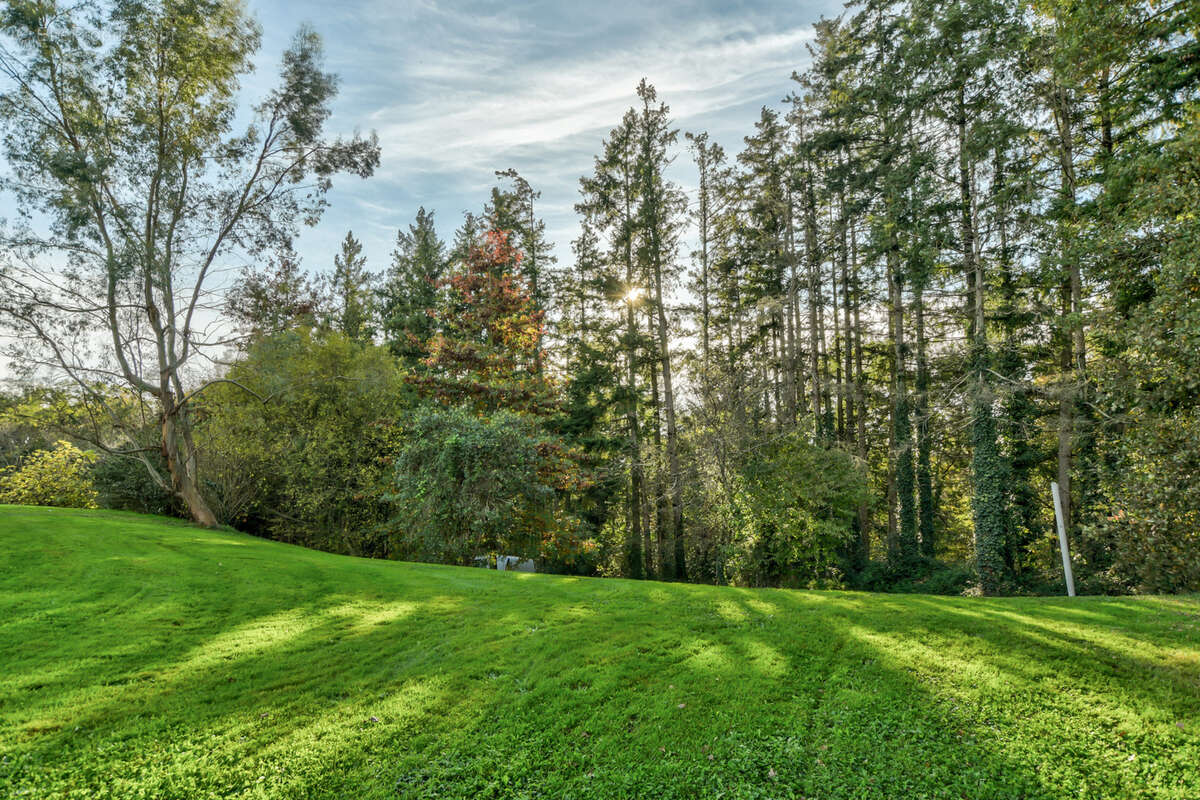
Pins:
x: 180, y: 454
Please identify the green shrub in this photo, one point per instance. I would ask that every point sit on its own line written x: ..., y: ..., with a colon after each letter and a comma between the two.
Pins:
x: 20, y: 430
x: 57, y: 477
x: 917, y: 576
x: 306, y: 458
x: 1149, y: 539
x: 125, y: 484
x: 467, y: 485
x: 793, y: 508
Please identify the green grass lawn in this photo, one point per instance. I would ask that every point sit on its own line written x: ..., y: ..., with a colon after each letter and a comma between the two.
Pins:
x: 141, y: 657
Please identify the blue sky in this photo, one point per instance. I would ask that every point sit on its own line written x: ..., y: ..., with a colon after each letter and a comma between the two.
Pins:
x: 457, y: 90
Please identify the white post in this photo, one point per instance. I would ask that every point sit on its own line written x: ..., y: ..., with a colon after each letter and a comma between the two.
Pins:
x: 1062, y: 539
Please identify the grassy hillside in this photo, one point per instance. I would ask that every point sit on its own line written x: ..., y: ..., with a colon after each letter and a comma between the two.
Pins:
x: 141, y: 657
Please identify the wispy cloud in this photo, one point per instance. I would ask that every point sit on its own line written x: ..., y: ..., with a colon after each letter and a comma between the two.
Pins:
x: 469, y: 123
x: 458, y: 90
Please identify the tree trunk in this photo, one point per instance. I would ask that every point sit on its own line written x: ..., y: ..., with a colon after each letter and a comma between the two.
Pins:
x: 659, y: 568
x: 635, y: 552
x: 924, y: 477
x: 905, y: 539
x: 792, y: 321
x: 674, y: 476
x: 1071, y: 356
x: 848, y: 352
x: 634, y: 540
x: 181, y: 462
x: 705, y: 322
x: 860, y: 402
x: 839, y: 394
x: 812, y: 258
x: 987, y: 500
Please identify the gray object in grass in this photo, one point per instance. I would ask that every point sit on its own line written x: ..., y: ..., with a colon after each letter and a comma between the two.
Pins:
x: 515, y: 564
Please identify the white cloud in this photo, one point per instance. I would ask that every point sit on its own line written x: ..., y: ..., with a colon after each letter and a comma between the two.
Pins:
x: 470, y: 111
x: 456, y: 90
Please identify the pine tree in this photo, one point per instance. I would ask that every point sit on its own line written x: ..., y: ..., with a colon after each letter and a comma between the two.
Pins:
x: 768, y: 251
x: 589, y: 333
x: 709, y: 158
x: 659, y: 213
x: 608, y: 198
x: 484, y: 351
x: 469, y: 235
x: 513, y: 210
x: 269, y: 300
x: 354, y: 311
x: 409, y: 296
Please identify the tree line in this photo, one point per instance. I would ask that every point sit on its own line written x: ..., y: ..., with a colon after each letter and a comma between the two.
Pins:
x: 956, y: 265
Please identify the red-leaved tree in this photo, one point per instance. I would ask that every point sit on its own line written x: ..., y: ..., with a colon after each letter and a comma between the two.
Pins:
x: 483, y: 360
x: 484, y: 353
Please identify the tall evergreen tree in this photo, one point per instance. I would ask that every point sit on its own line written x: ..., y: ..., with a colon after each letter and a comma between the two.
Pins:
x: 659, y: 214
x: 353, y: 310
x: 484, y: 351
x: 408, y: 298
x: 609, y: 198
x: 269, y: 300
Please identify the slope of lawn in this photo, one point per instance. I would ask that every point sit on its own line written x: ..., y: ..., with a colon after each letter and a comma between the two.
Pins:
x: 141, y: 657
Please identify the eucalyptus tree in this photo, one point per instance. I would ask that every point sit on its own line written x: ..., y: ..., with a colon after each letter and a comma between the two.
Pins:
x: 119, y: 135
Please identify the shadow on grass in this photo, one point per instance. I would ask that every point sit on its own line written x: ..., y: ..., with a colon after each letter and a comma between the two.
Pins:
x: 309, y: 676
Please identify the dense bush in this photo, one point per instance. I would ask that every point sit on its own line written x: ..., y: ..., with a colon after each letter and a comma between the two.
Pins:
x: 20, y: 434
x: 305, y: 457
x: 921, y: 576
x: 38, y: 416
x: 1146, y: 532
x: 57, y: 477
x: 1150, y: 538
x: 792, y: 509
x: 125, y: 484
x: 467, y: 485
